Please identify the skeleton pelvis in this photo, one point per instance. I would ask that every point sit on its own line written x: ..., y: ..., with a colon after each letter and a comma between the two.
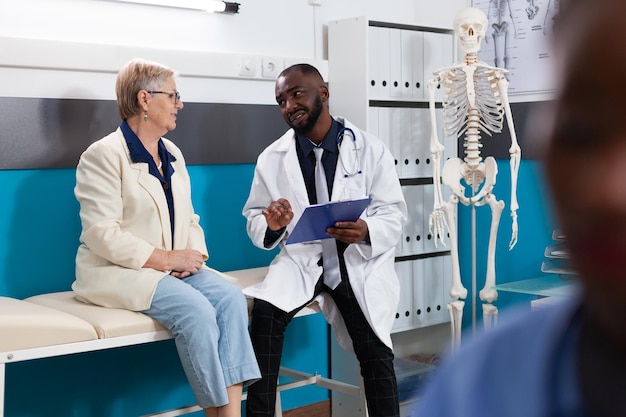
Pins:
x: 455, y: 170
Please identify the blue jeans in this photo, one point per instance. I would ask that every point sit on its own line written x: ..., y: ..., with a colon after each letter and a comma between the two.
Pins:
x: 208, y: 317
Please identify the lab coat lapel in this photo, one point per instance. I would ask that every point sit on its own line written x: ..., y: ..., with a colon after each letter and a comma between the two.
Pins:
x: 293, y: 173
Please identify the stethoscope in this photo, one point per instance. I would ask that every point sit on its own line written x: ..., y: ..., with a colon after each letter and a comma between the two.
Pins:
x: 355, y: 165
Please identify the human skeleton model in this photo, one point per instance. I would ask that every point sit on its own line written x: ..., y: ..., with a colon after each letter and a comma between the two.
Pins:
x: 500, y: 17
x: 475, y: 100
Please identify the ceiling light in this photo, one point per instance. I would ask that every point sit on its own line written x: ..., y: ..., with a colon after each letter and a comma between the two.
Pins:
x: 212, y: 6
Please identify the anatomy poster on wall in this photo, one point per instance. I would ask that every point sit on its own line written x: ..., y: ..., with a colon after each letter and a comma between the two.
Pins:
x: 518, y: 40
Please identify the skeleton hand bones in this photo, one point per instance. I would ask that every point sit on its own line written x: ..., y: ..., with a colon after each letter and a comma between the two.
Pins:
x: 437, y: 225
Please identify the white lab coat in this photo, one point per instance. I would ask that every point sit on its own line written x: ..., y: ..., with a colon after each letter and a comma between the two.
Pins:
x: 294, y: 272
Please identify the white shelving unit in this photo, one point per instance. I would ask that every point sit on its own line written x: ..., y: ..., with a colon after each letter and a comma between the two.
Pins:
x: 378, y: 74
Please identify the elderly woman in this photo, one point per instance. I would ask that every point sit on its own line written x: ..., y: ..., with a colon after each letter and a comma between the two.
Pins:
x: 142, y: 248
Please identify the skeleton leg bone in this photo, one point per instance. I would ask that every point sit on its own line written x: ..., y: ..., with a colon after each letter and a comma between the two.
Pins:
x: 457, y: 290
x: 488, y: 293
x: 456, y: 317
x: 490, y: 316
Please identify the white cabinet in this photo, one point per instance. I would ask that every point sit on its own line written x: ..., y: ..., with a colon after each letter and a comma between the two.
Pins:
x: 424, y: 283
x: 378, y: 74
x: 377, y: 61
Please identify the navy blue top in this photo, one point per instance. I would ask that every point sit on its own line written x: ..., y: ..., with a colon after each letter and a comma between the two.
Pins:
x: 139, y: 153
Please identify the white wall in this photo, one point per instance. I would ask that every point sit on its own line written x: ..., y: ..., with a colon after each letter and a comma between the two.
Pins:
x: 265, y: 27
x: 72, y: 48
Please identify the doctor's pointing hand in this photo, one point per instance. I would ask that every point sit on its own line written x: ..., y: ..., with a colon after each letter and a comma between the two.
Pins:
x: 278, y: 214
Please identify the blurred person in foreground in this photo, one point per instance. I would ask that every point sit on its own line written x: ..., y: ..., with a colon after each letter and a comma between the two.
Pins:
x: 568, y: 359
x: 142, y: 247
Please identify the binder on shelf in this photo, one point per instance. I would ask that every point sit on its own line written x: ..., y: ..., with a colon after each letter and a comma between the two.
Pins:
x: 317, y: 218
x: 404, y: 312
x: 420, y: 139
x: 395, y: 64
x: 403, y: 133
x: 425, y: 200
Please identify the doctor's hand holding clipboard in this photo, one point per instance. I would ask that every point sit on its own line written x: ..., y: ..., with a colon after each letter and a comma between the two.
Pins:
x: 349, y: 232
x: 279, y: 215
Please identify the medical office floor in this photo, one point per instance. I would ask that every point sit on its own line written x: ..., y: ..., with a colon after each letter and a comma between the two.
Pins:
x: 320, y: 409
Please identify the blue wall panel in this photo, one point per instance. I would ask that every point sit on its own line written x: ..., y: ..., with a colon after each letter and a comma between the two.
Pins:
x: 38, y: 240
x: 39, y: 232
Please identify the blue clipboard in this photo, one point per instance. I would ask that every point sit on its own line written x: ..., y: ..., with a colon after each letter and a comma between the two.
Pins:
x: 317, y: 218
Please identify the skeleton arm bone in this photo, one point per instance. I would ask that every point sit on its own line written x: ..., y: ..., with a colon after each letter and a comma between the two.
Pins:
x: 516, y: 154
x: 437, y: 221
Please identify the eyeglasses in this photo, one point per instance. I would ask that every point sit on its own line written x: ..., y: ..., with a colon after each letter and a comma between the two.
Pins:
x: 174, y: 95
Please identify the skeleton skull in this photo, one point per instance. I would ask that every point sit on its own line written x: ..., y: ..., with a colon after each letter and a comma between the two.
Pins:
x: 470, y: 25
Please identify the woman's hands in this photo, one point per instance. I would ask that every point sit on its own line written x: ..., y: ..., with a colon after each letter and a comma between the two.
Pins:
x: 181, y: 263
x: 185, y: 262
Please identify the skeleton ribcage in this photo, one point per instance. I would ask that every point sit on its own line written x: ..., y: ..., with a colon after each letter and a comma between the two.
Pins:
x: 456, y: 104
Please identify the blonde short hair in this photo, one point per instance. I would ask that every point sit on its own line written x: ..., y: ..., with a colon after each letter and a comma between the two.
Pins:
x: 137, y: 75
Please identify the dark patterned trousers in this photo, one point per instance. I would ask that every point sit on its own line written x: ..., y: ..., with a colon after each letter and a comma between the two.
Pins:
x: 375, y: 358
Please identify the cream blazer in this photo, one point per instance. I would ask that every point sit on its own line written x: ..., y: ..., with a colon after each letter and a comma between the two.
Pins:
x: 124, y: 217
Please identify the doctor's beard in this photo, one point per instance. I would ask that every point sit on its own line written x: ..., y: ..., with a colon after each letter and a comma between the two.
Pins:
x: 314, y: 116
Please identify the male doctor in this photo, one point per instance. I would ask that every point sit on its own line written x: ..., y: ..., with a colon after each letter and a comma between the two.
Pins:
x: 351, y: 274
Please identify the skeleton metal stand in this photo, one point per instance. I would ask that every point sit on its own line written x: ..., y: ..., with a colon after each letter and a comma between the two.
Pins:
x: 475, y: 101
x: 473, y: 259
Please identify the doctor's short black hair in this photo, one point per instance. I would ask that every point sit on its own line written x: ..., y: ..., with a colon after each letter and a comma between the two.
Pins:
x: 306, y: 69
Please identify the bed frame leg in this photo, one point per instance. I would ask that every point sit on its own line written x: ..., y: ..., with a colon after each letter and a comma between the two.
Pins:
x: 2, y: 377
